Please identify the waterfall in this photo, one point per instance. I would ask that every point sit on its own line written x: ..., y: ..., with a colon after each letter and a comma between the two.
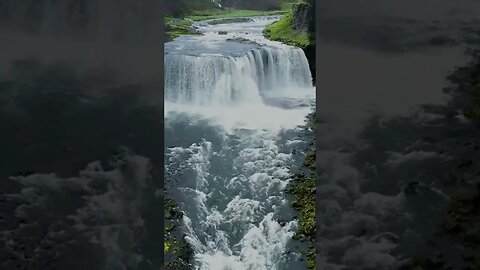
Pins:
x: 232, y: 117
x: 224, y: 80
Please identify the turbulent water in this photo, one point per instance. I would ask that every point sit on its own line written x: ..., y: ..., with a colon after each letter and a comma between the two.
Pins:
x: 233, y: 111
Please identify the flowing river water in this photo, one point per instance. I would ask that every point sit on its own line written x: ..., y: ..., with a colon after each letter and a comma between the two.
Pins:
x: 235, y: 107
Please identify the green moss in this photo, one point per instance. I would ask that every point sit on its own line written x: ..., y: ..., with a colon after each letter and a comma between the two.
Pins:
x: 166, y: 247
x: 177, y: 252
x: 303, y: 191
x: 175, y: 27
x: 310, y: 161
x: 282, y: 31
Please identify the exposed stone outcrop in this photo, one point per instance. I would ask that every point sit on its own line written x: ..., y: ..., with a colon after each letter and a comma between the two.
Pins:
x: 303, y: 20
x: 303, y: 17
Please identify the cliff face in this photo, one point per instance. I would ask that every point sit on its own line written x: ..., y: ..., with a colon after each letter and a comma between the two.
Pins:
x: 303, y: 17
x: 303, y: 20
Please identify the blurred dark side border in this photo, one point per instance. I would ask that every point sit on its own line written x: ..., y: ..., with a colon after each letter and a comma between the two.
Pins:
x: 397, y: 136
x: 81, y: 120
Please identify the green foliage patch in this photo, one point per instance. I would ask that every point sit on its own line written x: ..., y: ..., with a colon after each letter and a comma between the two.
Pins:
x: 282, y: 31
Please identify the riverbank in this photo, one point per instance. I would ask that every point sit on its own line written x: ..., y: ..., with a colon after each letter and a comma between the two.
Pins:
x: 297, y: 28
x: 182, y: 25
x: 302, y: 188
x: 177, y: 252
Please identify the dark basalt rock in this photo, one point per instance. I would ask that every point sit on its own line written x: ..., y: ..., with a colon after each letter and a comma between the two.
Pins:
x: 303, y: 17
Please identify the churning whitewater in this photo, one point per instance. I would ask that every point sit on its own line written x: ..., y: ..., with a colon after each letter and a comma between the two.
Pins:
x: 234, y: 106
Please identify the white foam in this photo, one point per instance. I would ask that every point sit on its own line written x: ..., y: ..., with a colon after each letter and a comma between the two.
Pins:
x: 230, y: 222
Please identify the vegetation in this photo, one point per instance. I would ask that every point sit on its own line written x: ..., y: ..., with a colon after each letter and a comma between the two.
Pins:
x: 303, y: 186
x: 175, y: 27
x: 232, y: 13
x: 303, y: 190
x: 181, y: 23
x: 297, y: 28
x: 283, y: 31
x: 177, y: 252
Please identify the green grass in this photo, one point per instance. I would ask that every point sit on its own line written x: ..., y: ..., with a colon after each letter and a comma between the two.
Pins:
x: 282, y: 31
x: 177, y: 22
x: 180, y: 26
x: 232, y: 13
x: 175, y: 27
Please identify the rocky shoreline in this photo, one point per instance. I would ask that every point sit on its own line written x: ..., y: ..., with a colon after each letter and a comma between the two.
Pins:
x: 302, y: 190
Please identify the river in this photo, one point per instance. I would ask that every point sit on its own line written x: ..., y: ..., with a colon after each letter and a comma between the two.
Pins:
x: 235, y: 104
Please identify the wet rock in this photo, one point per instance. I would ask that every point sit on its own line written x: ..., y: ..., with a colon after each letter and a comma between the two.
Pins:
x: 242, y: 40
x: 230, y: 20
x: 303, y: 17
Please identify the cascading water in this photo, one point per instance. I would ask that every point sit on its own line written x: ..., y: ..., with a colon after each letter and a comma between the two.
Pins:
x: 219, y: 80
x: 233, y: 111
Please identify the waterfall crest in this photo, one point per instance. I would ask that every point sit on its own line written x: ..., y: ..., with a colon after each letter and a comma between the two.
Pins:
x: 221, y: 80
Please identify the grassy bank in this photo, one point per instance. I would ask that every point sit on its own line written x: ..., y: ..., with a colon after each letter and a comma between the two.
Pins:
x: 182, y: 25
x: 283, y: 31
x: 302, y: 188
x: 233, y: 13
x: 175, y: 27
